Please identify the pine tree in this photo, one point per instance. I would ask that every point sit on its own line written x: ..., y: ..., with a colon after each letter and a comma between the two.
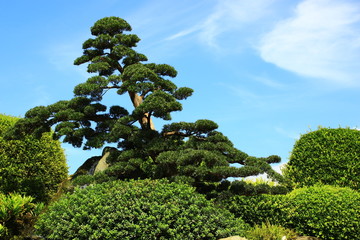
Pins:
x: 182, y: 151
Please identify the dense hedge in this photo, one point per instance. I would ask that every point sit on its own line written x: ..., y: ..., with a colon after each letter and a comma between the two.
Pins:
x: 326, y: 212
x: 30, y: 166
x: 326, y: 156
x: 143, y: 209
x: 256, y: 210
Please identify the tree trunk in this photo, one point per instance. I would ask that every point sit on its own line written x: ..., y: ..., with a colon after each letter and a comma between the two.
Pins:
x: 146, y: 121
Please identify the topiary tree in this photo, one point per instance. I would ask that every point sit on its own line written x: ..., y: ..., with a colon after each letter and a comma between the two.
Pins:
x: 30, y: 166
x: 326, y: 156
x: 326, y: 212
x: 142, y: 209
x: 189, y: 152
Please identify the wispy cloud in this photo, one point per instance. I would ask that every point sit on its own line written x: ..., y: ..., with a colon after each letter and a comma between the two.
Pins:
x: 232, y: 15
x: 42, y: 96
x: 321, y: 40
x: 288, y: 133
x: 268, y: 82
x: 245, y: 96
x: 184, y: 33
x: 230, y: 18
x: 62, y: 56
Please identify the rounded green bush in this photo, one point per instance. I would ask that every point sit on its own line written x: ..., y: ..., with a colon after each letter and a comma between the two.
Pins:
x: 326, y: 212
x: 326, y: 156
x: 142, y: 209
x: 32, y: 167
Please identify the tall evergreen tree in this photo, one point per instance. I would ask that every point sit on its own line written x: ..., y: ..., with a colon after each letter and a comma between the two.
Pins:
x: 192, y: 152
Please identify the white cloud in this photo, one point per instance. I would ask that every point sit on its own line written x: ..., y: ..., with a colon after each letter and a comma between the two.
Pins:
x: 321, y: 40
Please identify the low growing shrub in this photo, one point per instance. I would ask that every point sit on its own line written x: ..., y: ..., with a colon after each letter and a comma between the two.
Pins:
x: 326, y: 212
x: 17, y: 216
x: 267, y: 231
x: 143, y: 209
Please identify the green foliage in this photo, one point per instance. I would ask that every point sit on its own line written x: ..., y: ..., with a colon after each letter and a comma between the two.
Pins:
x: 326, y: 156
x: 326, y: 212
x: 87, y: 179
x: 32, y: 167
x: 3, y: 231
x: 267, y: 231
x: 261, y: 181
x: 258, y: 209
x: 17, y: 215
x: 143, y: 209
x: 194, y: 153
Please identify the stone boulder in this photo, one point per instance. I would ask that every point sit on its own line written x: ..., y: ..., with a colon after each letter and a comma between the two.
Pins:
x: 233, y: 238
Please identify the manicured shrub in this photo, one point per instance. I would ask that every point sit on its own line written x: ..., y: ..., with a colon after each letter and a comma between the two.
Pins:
x: 326, y: 212
x: 326, y: 156
x: 30, y: 166
x: 17, y: 216
x: 258, y: 209
x: 142, y: 209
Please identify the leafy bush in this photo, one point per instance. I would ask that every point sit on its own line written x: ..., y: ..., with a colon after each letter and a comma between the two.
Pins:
x: 326, y: 156
x: 30, y: 166
x: 142, y: 209
x: 267, y: 231
x: 326, y: 212
x: 17, y: 215
x: 256, y: 210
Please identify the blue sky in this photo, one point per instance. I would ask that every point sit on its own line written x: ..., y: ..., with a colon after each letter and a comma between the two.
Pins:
x: 266, y: 71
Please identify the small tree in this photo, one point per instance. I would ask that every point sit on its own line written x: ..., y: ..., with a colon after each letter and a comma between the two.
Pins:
x: 326, y: 156
x: 30, y: 166
x: 190, y: 152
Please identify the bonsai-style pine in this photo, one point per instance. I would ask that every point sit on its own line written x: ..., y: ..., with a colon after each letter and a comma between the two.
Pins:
x: 182, y: 151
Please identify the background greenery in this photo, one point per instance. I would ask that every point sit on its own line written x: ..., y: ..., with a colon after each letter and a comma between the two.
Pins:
x: 30, y: 166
